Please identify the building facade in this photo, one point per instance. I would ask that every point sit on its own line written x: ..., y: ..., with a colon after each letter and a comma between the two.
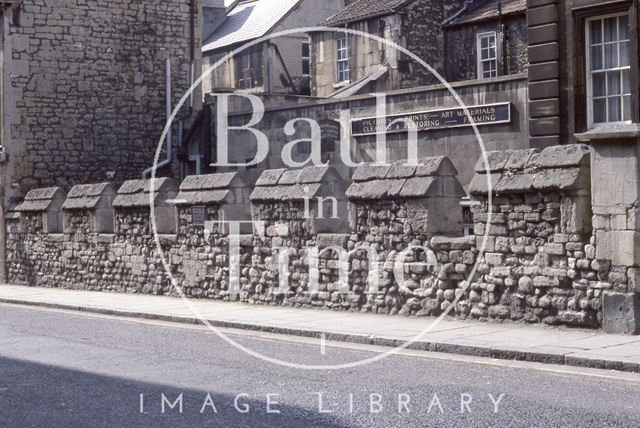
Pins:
x: 84, y: 87
x: 277, y: 66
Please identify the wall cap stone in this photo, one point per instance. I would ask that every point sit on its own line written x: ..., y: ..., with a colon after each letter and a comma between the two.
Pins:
x: 89, y: 196
x: 39, y: 200
x: 400, y: 180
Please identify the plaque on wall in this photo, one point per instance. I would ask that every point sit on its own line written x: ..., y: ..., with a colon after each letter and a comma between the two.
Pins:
x: 488, y: 114
x: 198, y: 216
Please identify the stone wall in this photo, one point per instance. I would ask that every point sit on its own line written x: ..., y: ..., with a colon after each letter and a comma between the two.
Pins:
x: 461, y: 59
x: 533, y: 256
x: 84, y: 87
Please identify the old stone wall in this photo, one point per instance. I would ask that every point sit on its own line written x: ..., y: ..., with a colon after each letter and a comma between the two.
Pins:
x: 533, y: 256
x: 84, y: 86
x: 461, y: 60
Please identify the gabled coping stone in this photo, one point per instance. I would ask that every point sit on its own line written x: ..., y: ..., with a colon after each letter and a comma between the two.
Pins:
x: 222, y: 188
x: 403, y: 180
x: 90, y: 197
x: 41, y: 200
x: 556, y: 168
x: 135, y: 193
x: 296, y: 184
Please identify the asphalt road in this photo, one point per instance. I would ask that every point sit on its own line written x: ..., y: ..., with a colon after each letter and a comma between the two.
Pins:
x: 66, y: 369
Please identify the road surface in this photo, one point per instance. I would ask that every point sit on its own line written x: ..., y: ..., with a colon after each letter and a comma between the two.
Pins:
x: 67, y: 369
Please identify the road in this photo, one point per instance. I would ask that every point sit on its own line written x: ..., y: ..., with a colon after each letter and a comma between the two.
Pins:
x: 62, y: 369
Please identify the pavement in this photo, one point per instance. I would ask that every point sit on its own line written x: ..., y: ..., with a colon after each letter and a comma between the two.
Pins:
x: 508, y: 341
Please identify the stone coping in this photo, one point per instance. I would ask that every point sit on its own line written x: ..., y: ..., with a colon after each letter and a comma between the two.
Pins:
x: 39, y: 200
x: 209, y: 189
x: 293, y: 184
x: 556, y: 168
x: 400, y: 179
x: 135, y: 193
x: 88, y: 196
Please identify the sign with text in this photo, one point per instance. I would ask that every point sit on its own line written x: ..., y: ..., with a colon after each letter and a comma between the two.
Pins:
x: 489, y: 114
x: 198, y: 216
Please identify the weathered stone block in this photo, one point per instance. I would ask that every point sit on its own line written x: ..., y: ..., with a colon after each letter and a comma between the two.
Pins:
x: 621, y: 313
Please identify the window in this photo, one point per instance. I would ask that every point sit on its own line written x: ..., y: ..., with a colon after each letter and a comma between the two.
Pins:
x: 487, y: 55
x: 305, y: 87
x: 608, y: 52
x: 244, y: 71
x: 342, y: 60
x: 306, y: 59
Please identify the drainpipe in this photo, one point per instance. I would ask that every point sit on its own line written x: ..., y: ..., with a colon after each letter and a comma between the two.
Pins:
x: 168, y: 139
x: 192, y: 47
x: 503, y: 34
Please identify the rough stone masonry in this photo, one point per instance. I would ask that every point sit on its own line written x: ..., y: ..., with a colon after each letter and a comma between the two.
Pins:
x: 84, y: 87
x: 533, y: 256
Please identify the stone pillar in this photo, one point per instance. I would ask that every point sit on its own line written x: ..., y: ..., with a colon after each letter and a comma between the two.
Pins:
x: 544, y: 73
x: 616, y: 223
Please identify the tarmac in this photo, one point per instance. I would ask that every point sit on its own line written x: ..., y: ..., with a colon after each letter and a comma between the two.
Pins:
x: 506, y: 340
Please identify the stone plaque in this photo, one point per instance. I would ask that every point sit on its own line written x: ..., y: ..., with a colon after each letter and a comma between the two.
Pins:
x: 489, y: 114
x: 198, y: 216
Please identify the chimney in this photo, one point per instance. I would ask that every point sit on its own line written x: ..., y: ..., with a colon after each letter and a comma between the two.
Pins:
x: 214, y: 15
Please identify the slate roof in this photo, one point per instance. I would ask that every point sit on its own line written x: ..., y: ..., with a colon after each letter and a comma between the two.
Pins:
x: 248, y: 20
x: 556, y: 168
x: 40, y: 199
x: 86, y: 196
x: 398, y: 180
x: 135, y: 193
x: 208, y: 189
x: 487, y: 10
x: 291, y: 184
x: 364, y: 9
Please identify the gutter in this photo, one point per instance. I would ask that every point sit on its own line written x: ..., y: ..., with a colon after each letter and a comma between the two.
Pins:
x: 457, y: 14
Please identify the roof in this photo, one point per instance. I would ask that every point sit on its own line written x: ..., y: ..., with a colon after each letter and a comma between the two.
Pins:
x: 292, y: 184
x: 135, y: 193
x: 400, y: 179
x: 209, y: 189
x: 556, y: 168
x: 363, y: 9
x: 41, y: 199
x: 357, y: 86
x: 248, y: 20
x: 87, y: 196
x: 487, y: 10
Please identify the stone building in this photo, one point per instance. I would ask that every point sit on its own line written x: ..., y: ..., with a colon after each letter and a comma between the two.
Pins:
x: 455, y: 38
x: 347, y: 64
x: 84, y: 88
x: 277, y: 66
x: 486, y: 39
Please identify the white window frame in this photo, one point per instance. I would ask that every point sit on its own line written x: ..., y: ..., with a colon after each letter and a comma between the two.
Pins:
x: 590, y: 98
x: 344, y: 75
x: 480, y: 61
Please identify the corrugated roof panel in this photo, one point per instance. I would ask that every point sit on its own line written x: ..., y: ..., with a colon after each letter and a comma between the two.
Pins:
x: 247, y: 21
